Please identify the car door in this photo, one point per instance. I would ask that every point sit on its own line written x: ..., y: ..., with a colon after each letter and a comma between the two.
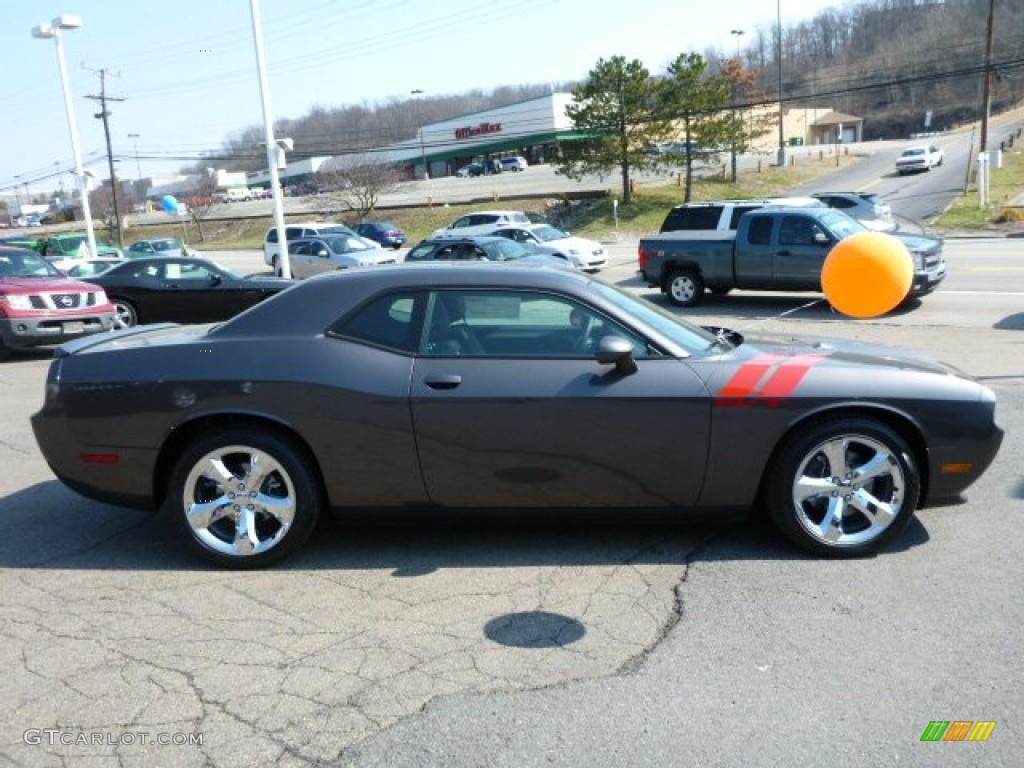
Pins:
x: 193, y: 292
x: 803, y: 245
x: 318, y: 258
x: 299, y: 258
x: 511, y: 408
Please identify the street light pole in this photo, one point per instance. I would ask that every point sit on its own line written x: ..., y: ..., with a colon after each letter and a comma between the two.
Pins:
x: 53, y: 30
x: 275, y: 152
x: 423, y: 151
x: 778, y: 56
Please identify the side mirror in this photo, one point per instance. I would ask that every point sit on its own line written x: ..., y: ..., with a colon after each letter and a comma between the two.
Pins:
x: 820, y: 238
x: 616, y: 350
x: 322, y: 253
x: 215, y: 279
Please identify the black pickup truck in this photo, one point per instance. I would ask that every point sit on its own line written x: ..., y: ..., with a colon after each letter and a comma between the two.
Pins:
x: 773, y: 249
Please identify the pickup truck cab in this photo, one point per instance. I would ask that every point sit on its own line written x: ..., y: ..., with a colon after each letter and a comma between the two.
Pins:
x: 773, y: 249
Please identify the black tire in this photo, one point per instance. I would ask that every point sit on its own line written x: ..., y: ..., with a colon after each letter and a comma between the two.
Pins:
x: 685, y: 287
x: 280, y: 527
x: 5, y: 351
x: 126, y: 314
x: 807, y: 516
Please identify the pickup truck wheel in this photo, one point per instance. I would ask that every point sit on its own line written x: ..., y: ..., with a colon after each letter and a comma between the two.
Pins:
x: 842, y: 487
x: 685, y: 288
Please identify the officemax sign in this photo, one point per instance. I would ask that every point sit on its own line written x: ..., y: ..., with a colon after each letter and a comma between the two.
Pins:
x: 477, y: 130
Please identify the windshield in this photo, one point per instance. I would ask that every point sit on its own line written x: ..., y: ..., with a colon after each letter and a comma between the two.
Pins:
x: 336, y: 229
x: 342, y: 244
x: 546, y: 232
x: 912, y: 152
x: 841, y: 224
x: 505, y: 250
x: 690, y: 337
x: 14, y: 263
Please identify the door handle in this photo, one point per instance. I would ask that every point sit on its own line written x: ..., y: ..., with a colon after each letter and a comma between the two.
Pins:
x: 443, y: 382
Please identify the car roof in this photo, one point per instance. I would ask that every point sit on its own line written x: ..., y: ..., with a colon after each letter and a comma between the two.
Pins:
x: 311, y: 305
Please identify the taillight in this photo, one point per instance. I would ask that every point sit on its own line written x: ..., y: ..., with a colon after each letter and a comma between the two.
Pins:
x: 642, y: 258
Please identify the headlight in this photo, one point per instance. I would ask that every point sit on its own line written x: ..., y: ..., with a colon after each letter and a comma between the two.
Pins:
x: 16, y: 301
x: 98, y: 298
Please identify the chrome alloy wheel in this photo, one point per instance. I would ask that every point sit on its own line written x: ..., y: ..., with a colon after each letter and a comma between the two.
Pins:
x: 239, y: 501
x: 848, y: 490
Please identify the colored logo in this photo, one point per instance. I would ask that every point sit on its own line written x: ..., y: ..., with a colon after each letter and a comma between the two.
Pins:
x: 958, y: 730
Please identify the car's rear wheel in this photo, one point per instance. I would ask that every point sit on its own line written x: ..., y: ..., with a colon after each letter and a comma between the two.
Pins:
x: 685, y: 287
x: 843, y: 487
x: 125, y: 313
x: 244, y: 497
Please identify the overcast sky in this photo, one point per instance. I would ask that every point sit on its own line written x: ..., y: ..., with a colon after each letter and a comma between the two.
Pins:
x: 187, y: 68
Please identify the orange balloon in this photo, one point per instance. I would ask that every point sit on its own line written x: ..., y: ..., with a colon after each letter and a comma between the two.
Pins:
x: 867, y: 274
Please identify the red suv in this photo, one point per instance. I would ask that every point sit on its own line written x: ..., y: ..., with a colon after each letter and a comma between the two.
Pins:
x: 40, y: 305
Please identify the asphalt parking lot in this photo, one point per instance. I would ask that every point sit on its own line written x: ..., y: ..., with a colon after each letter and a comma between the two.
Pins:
x: 507, y: 642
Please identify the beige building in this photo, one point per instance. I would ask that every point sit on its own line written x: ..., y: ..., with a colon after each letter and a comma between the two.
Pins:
x: 804, y: 127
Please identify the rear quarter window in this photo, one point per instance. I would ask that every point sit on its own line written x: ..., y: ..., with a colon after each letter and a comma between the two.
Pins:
x: 704, y: 217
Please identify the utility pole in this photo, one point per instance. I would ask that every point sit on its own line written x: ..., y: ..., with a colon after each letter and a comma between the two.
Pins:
x: 986, y: 107
x: 103, y: 114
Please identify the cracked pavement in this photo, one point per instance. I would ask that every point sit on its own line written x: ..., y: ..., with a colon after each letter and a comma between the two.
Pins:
x: 110, y: 628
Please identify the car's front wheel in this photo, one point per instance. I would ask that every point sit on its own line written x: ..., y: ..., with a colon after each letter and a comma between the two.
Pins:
x: 244, y: 497
x: 842, y: 487
x: 685, y: 287
x: 125, y: 313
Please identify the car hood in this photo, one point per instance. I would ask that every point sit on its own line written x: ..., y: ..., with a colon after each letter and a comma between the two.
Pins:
x: 48, y: 284
x: 856, y: 354
x: 918, y: 243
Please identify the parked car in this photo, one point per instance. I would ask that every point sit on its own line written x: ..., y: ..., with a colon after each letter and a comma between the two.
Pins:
x: 517, y: 163
x: 39, y: 305
x: 578, y: 252
x: 63, y: 250
x: 483, y: 386
x: 479, y: 248
x: 481, y: 223
x: 159, y: 246
x: 472, y: 169
x: 315, y: 255
x: 305, y: 229
x: 179, y: 289
x: 867, y: 207
x: 383, y: 233
x: 22, y: 241
x: 920, y: 158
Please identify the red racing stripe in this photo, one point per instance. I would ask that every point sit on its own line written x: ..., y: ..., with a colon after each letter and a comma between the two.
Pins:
x: 749, y: 374
x: 788, y: 376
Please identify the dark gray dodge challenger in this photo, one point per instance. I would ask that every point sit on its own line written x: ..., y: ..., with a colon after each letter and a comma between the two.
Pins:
x: 493, y: 386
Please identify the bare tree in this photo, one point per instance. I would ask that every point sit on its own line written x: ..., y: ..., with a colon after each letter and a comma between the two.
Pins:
x: 356, y: 182
x: 202, y: 202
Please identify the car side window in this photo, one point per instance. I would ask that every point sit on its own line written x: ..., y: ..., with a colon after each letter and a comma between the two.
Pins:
x: 465, y: 221
x: 447, y: 252
x: 392, y: 321
x: 759, y: 231
x: 738, y: 212
x: 420, y: 253
x: 796, y: 230
x: 518, y: 324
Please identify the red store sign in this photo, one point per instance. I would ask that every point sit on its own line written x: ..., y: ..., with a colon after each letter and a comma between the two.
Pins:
x: 477, y: 130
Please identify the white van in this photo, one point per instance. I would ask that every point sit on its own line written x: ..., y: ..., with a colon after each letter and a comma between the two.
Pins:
x: 235, y: 195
